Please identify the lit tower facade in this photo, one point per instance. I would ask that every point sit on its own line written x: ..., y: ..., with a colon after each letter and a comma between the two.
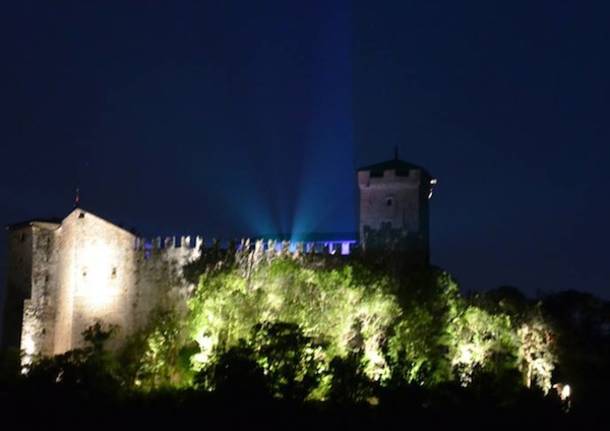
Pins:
x: 394, y: 209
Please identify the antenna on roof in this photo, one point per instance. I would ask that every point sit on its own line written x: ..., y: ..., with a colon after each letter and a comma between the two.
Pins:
x: 396, y: 152
x: 77, y: 198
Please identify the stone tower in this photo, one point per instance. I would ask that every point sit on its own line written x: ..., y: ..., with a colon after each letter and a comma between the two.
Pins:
x: 65, y: 275
x: 394, y: 210
x: 32, y: 258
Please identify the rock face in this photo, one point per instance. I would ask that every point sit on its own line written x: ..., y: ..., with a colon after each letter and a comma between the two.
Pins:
x: 62, y: 277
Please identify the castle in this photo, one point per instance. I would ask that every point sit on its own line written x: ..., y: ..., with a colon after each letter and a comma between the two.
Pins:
x: 63, y: 275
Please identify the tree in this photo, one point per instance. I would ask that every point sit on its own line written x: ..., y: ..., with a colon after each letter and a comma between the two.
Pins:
x: 91, y: 368
x: 237, y: 373
x: 291, y: 360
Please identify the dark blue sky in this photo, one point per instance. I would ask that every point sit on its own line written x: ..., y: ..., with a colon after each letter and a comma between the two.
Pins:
x: 230, y: 118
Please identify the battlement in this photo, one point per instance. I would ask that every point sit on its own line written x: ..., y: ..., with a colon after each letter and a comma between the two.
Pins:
x: 387, y: 177
x: 197, y: 243
x: 169, y: 242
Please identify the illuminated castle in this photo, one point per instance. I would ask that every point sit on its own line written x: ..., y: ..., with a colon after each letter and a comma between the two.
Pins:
x: 63, y: 275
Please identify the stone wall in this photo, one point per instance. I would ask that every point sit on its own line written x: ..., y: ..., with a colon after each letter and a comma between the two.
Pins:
x: 394, y: 213
x: 69, y: 276
x: 65, y: 277
x: 18, y: 283
x: 159, y: 278
x: 39, y: 309
x: 390, y: 199
x: 97, y: 277
x: 31, y: 287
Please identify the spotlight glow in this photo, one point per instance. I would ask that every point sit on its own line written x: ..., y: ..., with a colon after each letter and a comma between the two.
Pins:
x: 95, y: 278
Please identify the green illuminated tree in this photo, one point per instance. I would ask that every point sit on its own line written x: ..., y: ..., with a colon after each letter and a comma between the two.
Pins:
x: 418, y: 349
x: 481, y: 340
x: 159, y: 356
x: 336, y: 306
x: 297, y: 316
x: 536, y: 352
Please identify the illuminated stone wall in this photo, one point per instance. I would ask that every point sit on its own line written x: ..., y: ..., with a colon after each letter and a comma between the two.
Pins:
x: 62, y: 321
x: 105, y: 276
x: 389, y: 199
x: 159, y: 279
x: 394, y: 211
x: 39, y: 310
x: 62, y: 278
x: 31, y: 287
x: 96, y: 277
x: 66, y: 276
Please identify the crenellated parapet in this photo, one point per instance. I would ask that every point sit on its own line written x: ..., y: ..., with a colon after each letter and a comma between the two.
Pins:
x: 191, y: 245
x: 169, y: 242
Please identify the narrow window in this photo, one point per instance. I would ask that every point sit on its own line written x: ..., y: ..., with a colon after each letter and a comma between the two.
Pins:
x: 389, y: 201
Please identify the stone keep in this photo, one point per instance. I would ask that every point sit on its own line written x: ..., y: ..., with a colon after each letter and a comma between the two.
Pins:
x: 64, y: 276
x: 394, y: 210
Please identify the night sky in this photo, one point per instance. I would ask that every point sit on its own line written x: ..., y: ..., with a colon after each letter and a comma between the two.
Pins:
x: 242, y: 118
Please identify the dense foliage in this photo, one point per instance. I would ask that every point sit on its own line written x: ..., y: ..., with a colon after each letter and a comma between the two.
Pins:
x: 281, y: 333
x: 300, y: 321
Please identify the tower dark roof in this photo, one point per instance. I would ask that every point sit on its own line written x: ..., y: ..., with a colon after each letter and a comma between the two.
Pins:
x: 41, y: 221
x: 401, y: 167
